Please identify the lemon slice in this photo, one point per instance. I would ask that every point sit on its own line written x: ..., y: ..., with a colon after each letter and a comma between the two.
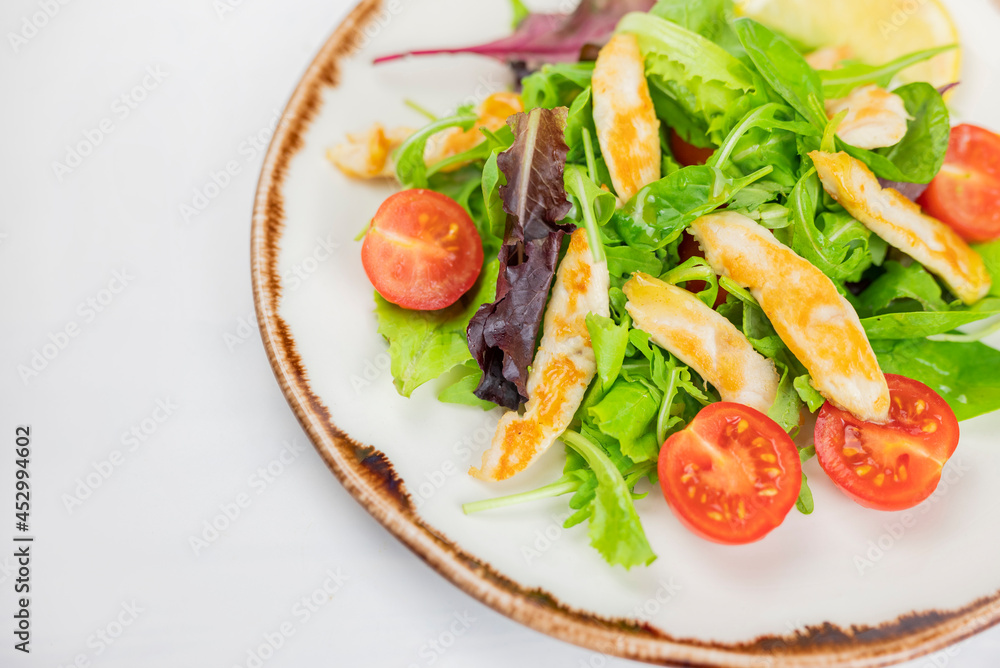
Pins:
x: 875, y: 31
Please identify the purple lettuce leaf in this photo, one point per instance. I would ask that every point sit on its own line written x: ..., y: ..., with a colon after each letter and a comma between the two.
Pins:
x: 909, y: 190
x: 549, y: 38
x: 534, y: 165
x: 502, y: 334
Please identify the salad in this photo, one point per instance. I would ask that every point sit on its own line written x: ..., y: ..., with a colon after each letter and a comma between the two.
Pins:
x: 683, y: 242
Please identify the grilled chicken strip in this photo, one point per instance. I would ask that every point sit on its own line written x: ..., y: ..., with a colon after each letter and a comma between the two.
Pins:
x: 817, y: 324
x: 903, y: 225
x: 562, y: 370
x: 627, y: 127
x: 703, y: 339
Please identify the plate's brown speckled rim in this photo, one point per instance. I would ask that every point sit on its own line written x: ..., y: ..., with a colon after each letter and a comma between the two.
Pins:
x: 369, y: 476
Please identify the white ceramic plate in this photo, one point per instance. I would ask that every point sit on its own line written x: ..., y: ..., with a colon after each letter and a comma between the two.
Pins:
x: 844, y: 586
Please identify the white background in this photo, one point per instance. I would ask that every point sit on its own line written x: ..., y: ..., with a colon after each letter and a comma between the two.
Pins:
x: 171, y: 321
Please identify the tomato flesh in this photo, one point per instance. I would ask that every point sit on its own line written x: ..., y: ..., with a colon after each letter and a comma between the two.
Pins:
x: 732, y: 475
x: 422, y: 251
x: 688, y: 154
x: 966, y: 192
x: 890, y: 466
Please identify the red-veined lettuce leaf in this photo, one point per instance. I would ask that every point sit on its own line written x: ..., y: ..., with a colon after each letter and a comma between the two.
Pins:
x: 502, y: 334
x: 549, y: 38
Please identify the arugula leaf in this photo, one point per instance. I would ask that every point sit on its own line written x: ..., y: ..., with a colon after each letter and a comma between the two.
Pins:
x: 499, y: 140
x: 787, y: 407
x: 766, y: 136
x: 834, y: 243
x: 520, y: 12
x: 698, y: 88
x: 918, y: 324
x: 964, y: 374
x: 809, y: 394
x: 899, y: 289
x: 840, y: 82
x: 556, y: 85
x: 425, y: 344
x: 804, y: 503
x: 784, y: 69
x: 609, y: 341
x: 591, y: 206
x: 661, y: 211
x: 411, y: 170
x: 623, y: 261
x: 492, y: 179
x: 580, y: 119
x: 918, y: 157
x: 614, y: 530
x: 743, y: 311
x: 990, y: 252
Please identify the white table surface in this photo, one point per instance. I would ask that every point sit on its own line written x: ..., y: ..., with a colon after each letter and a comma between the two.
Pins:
x: 168, y: 347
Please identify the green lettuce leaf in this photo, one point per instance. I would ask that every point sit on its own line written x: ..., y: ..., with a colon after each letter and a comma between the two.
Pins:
x: 918, y: 324
x: 964, y: 374
x: 784, y: 69
x: 425, y: 344
x: 411, y: 170
x: 901, y: 289
x: 614, y: 528
x: 698, y: 88
x: 626, y: 414
x: 461, y: 390
x: 840, y: 82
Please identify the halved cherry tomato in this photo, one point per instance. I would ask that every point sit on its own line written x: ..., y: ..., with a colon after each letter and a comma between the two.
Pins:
x: 966, y: 192
x: 732, y: 475
x: 688, y: 154
x: 688, y: 249
x: 890, y: 466
x: 422, y: 250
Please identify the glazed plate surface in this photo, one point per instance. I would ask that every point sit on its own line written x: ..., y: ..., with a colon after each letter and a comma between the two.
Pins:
x: 844, y: 586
